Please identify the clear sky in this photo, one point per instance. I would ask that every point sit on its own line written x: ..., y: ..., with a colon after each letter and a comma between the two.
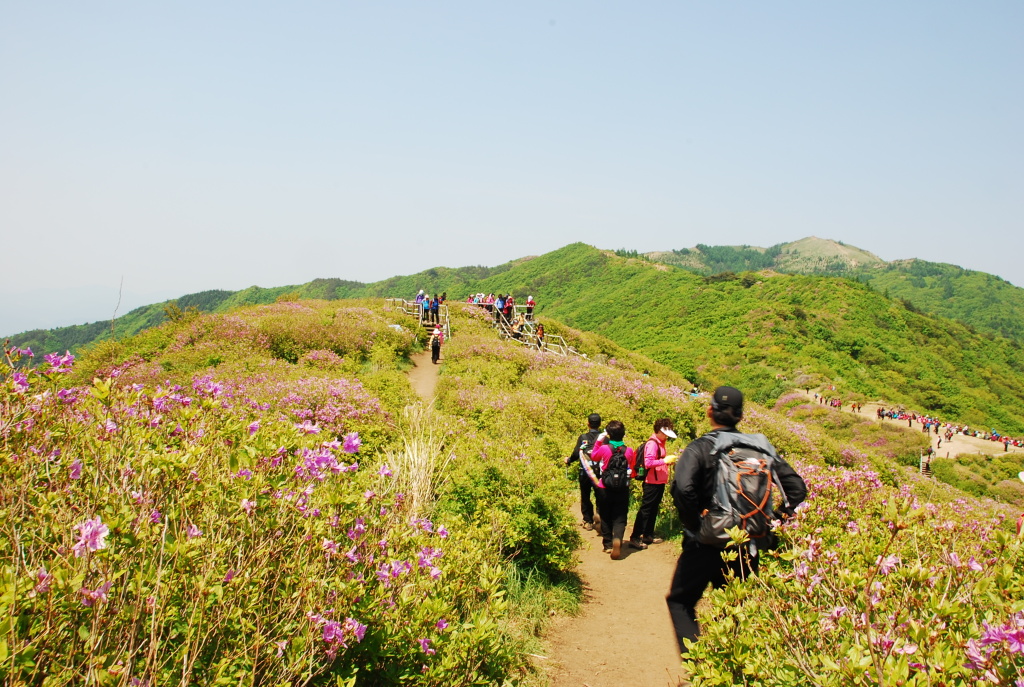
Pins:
x: 186, y: 145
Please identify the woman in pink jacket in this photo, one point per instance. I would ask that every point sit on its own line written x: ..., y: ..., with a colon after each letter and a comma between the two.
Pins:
x: 657, y: 460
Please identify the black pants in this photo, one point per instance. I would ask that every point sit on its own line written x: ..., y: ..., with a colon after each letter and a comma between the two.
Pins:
x: 586, y: 488
x: 435, y: 352
x: 433, y: 316
x: 647, y: 514
x: 613, y: 505
x: 698, y: 565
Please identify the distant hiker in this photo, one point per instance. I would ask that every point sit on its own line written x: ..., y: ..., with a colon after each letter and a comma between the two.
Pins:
x: 499, y: 307
x: 420, y: 297
x: 530, y: 305
x: 435, y: 308
x: 436, y: 339
x: 656, y: 459
x: 616, y: 461
x: 699, y: 477
x: 518, y: 325
x: 444, y: 297
x: 581, y: 453
x: 540, y: 337
x: 510, y: 307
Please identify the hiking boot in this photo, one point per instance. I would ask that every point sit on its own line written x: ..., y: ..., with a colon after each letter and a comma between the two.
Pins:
x: 588, y: 525
x: 653, y: 540
x: 606, y: 549
x: 637, y: 544
x: 616, y: 549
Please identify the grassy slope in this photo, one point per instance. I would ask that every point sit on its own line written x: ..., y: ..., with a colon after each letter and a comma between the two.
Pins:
x: 824, y: 329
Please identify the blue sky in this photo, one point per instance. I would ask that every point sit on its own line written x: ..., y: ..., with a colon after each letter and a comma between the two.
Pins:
x: 187, y: 146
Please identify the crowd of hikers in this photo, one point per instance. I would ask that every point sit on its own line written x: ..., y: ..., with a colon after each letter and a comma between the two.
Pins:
x: 929, y: 423
x: 723, y: 479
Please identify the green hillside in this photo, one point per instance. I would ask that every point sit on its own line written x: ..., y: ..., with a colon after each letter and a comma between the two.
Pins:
x: 767, y: 333
x: 263, y: 490
x: 981, y: 300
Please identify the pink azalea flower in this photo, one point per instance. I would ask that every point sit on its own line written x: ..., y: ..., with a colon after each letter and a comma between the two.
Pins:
x: 441, y: 624
x: 248, y: 506
x: 92, y: 536
x: 43, y: 580
x: 75, y: 472
x: 193, y: 531
x: 254, y: 427
x: 155, y: 516
x: 352, y: 443
x: 425, y: 646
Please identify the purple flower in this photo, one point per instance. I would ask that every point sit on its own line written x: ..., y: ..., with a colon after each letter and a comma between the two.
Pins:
x: 92, y: 536
x: 330, y: 546
x: 385, y: 471
x: 442, y: 532
x: 20, y: 383
x: 155, y: 516
x: 192, y: 531
x: 254, y: 427
x: 230, y: 575
x: 91, y: 596
x: 109, y: 426
x: 352, y: 443
x: 441, y: 624
x: 244, y: 473
x: 888, y: 564
x: 27, y: 352
x: 308, y: 427
x: 425, y: 646
x: 43, y: 580
x: 76, y: 469
x: 248, y: 506
x: 369, y: 494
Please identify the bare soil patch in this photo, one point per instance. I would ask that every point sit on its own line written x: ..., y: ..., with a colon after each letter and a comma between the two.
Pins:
x: 623, y: 636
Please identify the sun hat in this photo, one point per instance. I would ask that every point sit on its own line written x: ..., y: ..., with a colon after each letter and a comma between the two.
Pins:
x: 1021, y: 475
x: 668, y: 432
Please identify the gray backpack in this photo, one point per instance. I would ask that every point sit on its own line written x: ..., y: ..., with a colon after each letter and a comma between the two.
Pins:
x: 745, y: 485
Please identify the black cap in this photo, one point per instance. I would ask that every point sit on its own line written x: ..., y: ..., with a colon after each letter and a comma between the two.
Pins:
x: 594, y: 420
x: 727, y: 397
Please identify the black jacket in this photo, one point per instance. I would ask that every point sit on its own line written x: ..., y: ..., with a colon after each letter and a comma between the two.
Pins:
x: 585, y: 441
x: 694, y: 485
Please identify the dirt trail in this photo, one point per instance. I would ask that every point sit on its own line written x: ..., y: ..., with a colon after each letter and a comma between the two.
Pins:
x: 624, y: 635
x: 423, y: 377
x: 949, y: 449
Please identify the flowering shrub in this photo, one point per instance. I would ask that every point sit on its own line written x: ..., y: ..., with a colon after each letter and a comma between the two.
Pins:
x: 872, y: 586
x: 197, y: 534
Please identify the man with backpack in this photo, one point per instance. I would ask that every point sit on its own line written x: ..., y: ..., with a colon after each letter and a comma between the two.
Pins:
x: 580, y: 453
x: 616, y: 461
x: 725, y: 479
x: 654, y: 458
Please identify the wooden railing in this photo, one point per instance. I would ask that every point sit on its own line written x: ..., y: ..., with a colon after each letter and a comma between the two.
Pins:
x: 422, y: 313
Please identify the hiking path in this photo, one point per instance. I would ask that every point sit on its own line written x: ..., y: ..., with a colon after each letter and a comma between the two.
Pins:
x: 623, y: 634
x: 423, y: 377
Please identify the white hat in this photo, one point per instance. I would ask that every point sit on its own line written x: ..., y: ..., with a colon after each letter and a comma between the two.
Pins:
x: 668, y: 432
x: 1021, y: 475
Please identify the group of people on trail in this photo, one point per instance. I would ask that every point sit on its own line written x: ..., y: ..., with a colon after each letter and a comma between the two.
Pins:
x: 431, y: 307
x: 723, y: 479
x: 502, y: 306
x: 947, y: 430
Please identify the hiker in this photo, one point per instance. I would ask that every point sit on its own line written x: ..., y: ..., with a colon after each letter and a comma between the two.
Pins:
x: 530, y: 305
x: 518, y: 325
x: 540, y: 337
x: 435, y: 308
x: 616, y: 461
x: 581, y: 452
x: 436, y: 339
x: 656, y: 460
x: 693, y: 491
